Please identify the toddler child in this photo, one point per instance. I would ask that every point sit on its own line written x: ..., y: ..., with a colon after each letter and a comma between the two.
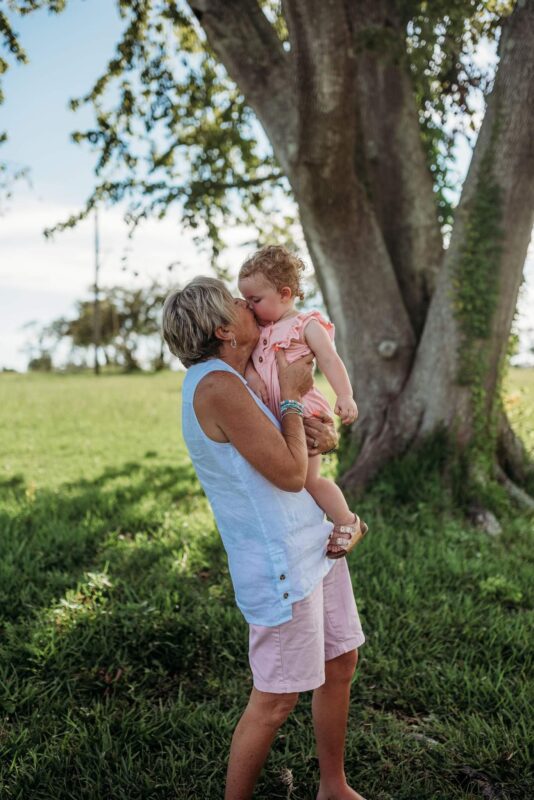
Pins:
x: 270, y: 283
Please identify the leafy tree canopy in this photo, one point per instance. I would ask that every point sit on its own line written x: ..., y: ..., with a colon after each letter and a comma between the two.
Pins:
x: 172, y: 130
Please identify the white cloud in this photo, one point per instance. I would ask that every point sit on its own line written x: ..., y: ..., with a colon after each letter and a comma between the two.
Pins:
x: 66, y: 262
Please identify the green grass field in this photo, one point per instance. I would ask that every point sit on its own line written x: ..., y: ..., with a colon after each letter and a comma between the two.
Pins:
x: 123, y: 659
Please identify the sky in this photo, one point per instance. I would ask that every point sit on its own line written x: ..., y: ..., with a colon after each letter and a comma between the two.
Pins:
x: 41, y: 279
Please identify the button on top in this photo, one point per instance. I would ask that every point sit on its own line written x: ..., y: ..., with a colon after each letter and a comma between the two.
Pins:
x: 265, y: 341
x: 260, y: 359
x: 282, y: 577
x: 286, y: 595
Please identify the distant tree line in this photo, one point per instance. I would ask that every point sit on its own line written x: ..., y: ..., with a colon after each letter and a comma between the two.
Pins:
x: 129, y: 331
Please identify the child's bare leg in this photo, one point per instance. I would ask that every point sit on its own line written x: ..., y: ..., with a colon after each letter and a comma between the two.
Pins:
x: 327, y: 494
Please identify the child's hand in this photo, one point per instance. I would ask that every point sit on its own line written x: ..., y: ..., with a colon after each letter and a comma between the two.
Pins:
x: 257, y: 386
x: 346, y: 408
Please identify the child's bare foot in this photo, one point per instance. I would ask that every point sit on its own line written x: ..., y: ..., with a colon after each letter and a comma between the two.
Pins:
x: 343, y: 793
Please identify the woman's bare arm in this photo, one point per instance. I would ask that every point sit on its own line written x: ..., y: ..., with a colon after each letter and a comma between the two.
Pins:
x: 227, y: 413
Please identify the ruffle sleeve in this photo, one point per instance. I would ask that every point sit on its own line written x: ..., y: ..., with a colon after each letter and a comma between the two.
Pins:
x: 296, y: 331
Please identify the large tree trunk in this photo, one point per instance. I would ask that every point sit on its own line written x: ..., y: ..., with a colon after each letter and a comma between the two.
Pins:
x: 389, y: 157
x: 343, y: 234
x: 423, y: 334
x: 455, y: 376
x: 357, y: 279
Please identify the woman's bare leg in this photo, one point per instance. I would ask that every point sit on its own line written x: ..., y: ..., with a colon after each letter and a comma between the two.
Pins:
x: 330, y: 708
x: 252, y: 740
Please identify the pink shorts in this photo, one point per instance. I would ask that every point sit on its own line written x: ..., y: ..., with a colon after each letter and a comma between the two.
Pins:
x: 291, y: 657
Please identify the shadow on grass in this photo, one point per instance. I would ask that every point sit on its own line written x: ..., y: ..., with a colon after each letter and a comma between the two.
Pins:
x: 50, y: 538
x: 124, y: 658
x: 121, y: 575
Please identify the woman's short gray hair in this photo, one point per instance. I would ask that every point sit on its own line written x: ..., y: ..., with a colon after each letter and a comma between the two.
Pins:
x: 192, y: 315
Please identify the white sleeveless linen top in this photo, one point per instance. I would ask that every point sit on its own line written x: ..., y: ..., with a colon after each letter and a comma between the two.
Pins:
x: 275, y: 540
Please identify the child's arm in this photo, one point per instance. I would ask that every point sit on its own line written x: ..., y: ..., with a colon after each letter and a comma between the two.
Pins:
x: 333, y: 368
x: 255, y: 382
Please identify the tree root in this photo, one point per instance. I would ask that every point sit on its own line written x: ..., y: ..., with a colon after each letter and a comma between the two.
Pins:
x: 376, y: 451
x: 515, y: 492
x: 392, y: 440
x: 512, y: 453
x: 485, y: 520
x: 512, y: 466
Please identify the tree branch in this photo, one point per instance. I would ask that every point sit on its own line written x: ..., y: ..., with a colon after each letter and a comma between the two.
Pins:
x: 248, y: 46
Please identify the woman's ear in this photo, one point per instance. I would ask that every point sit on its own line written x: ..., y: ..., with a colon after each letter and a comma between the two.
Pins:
x: 223, y: 333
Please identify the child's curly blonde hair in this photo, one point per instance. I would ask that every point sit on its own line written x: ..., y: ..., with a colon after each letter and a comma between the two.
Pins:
x: 278, y: 265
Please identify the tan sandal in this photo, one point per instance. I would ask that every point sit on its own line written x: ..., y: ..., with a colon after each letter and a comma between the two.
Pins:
x: 357, y: 531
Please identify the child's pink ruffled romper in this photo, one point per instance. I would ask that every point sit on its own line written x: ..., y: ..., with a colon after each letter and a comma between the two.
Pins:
x: 288, y: 334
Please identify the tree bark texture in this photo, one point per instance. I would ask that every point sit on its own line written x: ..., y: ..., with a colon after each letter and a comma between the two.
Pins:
x: 390, y: 158
x: 342, y: 119
x: 505, y: 149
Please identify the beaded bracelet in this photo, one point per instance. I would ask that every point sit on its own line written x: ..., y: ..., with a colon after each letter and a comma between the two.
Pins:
x: 285, y: 404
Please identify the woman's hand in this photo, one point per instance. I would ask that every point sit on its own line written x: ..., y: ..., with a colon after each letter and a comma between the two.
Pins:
x: 321, y: 434
x: 295, y: 379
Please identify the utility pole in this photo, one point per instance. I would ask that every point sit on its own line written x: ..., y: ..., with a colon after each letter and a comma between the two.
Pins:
x: 96, y: 308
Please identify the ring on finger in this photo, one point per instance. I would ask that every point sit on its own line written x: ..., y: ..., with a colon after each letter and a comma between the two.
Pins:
x: 315, y: 443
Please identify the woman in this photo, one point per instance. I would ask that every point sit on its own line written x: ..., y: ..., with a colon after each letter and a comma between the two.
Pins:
x: 290, y: 580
